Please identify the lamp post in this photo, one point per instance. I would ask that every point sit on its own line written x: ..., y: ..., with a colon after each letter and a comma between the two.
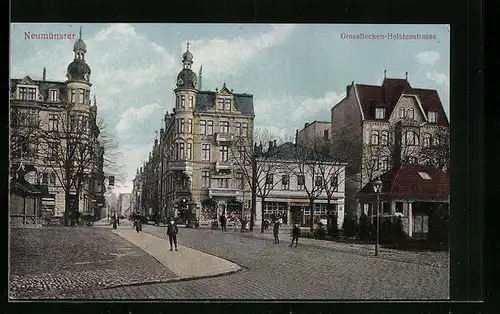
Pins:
x: 377, y: 188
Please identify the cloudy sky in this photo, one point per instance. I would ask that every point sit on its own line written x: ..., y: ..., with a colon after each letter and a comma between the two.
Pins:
x: 295, y: 72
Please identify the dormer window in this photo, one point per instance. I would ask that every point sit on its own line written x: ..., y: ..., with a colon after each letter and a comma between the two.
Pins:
x: 432, y: 116
x: 23, y: 93
x: 183, y: 101
x: 379, y: 113
x: 220, y: 104
x: 54, y: 95
x: 227, y: 104
x: 402, y: 113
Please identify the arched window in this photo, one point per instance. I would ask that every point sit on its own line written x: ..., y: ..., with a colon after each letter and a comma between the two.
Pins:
x: 402, y: 113
x: 427, y: 140
x: 410, y: 113
x: 384, y: 138
x: 374, y: 138
x: 52, y: 178
x: 45, y: 178
x: 437, y: 142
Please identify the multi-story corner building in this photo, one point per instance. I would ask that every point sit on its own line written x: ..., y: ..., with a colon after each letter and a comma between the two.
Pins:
x: 191, y: 162
x: 291, y: 179
x: 124, y: 208
x: 314, y: 134
x: 46, y: 117
x: 376, y: 128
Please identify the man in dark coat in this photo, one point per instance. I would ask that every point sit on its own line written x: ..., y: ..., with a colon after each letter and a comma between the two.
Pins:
x: 138, y: 224
x: 223, y: 222
x: 276, y: 228
x: 295, y: 235
x: 172, y: 231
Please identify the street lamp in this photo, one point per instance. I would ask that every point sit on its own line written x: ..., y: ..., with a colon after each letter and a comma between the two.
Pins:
x: 377, y: 188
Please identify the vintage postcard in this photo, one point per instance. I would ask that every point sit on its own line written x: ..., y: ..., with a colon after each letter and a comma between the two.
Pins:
x: 229, y: 161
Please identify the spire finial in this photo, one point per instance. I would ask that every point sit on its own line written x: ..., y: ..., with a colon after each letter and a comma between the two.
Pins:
x: 80, y: 32
x: 188, y: 44
x: 385, y: 73
x: 95, y: 101
x: 156, y: 134
x: 406, y: 76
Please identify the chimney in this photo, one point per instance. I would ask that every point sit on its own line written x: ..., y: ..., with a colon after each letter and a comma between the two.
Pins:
x: 306, y: 125
x: 270, y: 145
x: 348, y: 87
x: 274, y: 143
x: 44, y: 73
x: 406, y: 76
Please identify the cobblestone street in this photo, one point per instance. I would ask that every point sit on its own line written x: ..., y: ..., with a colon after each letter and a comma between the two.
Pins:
x: 280, y: 272
x: 57, y: 262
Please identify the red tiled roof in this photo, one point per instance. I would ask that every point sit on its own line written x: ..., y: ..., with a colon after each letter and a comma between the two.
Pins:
x: 387, y: 95
x: 405, y: 181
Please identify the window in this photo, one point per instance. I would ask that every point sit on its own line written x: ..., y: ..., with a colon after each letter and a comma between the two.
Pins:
x: 224, y: 153
x: 23, y: 93
x: 183, y: 101
x: 374, y: 138
x: 386, y: 208
x: 269, y: 179
x: 437, y: 141
x: 210, y: 127
x: 411, y: 159
x: 379, y: 113
x: 244, y: 129
x: 410, y: 138
x: 54, y: 95
x: 221, y: 104
x: 411, y: 113
x: 31, y: 93
x: 73, y: 123
x: 224, y: 126
x: 399, y: 207
x: 81, y: 92
x: 32, y: 149
x: 53, y: 150
x: 203, y: 127
x: 190, y: 126
x: 432, y: 116
x: 384, y: 163
x: 190, y: 101
x: 241, y: 151
x: 374, y: 163
x: 301, y: 180
x: 318, y: 182
x: 177, y: 102
x: 53, y: 122
x: 181, y: 130
x: 402, y: 113
x: 73, y: 96
x: 189, y: 151
x: 240, y: 184
x: 205, y: 179
x: 424, y: 175
x: 237, y: 128
x: 227, y: 104
x: 45, y: 178
x: 285, y: 182
x: 427, y: 140
x: 325, y: 134
x: 205, y: 152
x: 384, y: 138
x: 52, y: 178
x: 334, y: 183
x: 181, y: 155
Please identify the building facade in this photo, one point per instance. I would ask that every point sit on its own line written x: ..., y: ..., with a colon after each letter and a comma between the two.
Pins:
x: 376, y: 128
x: 51, y: 122
x: 189, y: 171
x: 291, y: 179
x: 124, y: 205
x: 315, y: 134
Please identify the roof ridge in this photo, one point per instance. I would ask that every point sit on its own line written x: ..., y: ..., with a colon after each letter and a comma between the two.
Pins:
x: 395, y: 177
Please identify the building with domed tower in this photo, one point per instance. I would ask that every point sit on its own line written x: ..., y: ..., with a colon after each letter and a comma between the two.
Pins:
x: 51, y: 123
x: 191, y: 158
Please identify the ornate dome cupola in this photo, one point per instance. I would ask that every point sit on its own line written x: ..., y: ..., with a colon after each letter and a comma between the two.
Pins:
x: 186, y: 78
x: 79, y: 69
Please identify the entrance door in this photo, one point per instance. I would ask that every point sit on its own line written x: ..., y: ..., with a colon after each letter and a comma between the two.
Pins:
x: 297, y: 214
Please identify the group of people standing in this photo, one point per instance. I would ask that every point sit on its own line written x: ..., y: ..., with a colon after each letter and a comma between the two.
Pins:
x: 295, y: 233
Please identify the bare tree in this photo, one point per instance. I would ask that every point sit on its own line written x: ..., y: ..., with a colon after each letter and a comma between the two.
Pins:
x: 436, y: 149
x: 306, y: 163
x: 255, y: 164
x: 24, y: 131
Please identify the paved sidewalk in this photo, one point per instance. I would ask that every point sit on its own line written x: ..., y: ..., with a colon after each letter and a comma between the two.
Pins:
x: 185, y: 263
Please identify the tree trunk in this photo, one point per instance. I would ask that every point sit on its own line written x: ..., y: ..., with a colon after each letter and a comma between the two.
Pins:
x: 254, y: 194
x: 311, y: 210
x: 262, y: 215
x: 328, y: 213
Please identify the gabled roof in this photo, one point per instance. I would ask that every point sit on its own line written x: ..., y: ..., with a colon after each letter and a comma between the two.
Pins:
x: 410, y: 179
x: 387, y: 96
x: 24, y: 186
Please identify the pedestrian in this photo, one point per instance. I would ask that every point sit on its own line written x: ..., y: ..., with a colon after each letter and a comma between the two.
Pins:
x: 236, y: 224
x: 223, y: 222
x: 114, y: 224
x: 138, y: 225
x: 172, y: 231
x: 295, y: 235
x: 276, y: 228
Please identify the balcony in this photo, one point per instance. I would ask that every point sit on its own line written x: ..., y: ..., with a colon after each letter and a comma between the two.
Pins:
x: 224, y: 137
x: 225, y: 192
x: 181, y: 165
x: 223, y: 166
